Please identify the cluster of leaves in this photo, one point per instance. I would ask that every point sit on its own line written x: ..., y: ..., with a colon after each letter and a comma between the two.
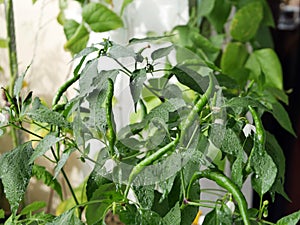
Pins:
x: 95, y: 16
x: 190, y: 106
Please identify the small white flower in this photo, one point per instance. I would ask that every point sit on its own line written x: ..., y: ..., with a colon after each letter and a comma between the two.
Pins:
x: 248, y: 128
x: 231, y: 206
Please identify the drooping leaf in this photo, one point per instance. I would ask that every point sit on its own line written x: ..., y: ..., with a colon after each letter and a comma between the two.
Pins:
x: 244, y: 24
x: 275, y: 151
x: 161, y: 52
x: 279, y: 94
x: 281, y: 115
x: 291, y: 219
x: 191, y: 78
x: 78, y: 40
x: 106, y: 194
x: 41, y: 173
x: 100, y: 18
x: 62, y: 161
x: 137, y: 80
x: 41, y: 113
x: 67, y: 217
x: 264, y: 168
x: 33, y: 207
x: 236, y: 171
x: 270, y: 66
x: 44, y: 145
x: 15, y: 172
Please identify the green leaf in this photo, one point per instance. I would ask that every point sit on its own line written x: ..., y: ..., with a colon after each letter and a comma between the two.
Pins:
x: 219, y: 15
x: 281, y: 115
x: 2, y: 214
x: 264, y: 168
x: 244, y: 102
x: 145, y: 196
x: 67, y: 217
x: 203, y: 43
x: 137, y: 80
x: 162, y: 111
x: 78, y: 40
x: 44, y: 145
x: 19, y: 82
x: 275, y: 151
x: 106, y: 194
x: 231, y: 143
x: 15, y: 172
x: 119, y: 51
x: 173, y: 217
x: 233, y: 58
x: 291, y: 219
x: 33, y: 207
x: 161, y: 52
x: 190, y: 78
x: 41, y: 113
x: 96, y: 178
x: 148, y: 39
x: 70, y: 27
x: 85, y: 52
x: 278, y: 94
x: 236, y: 171
x: 267, y: 13
x: 270, y: 66
x: 3, y: 43
x: 211, y: 218
x: 100, y: 18
x: 148, y: 217
x: 205, y: 7
x: 41, y: 173
x: 62, y: 161
x: 244, y: 24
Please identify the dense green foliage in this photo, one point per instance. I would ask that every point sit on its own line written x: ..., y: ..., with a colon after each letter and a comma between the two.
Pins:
x: 197, y: 94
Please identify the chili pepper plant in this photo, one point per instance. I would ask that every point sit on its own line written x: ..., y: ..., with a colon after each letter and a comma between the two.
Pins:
x: 192, y: 103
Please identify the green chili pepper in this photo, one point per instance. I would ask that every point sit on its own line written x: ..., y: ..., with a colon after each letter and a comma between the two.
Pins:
x: 260, y: 132
x: 226, y: 183
x: 109, y: 120
x: 197, y: 108
x: 149, y: 160
x: 260, y: 136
